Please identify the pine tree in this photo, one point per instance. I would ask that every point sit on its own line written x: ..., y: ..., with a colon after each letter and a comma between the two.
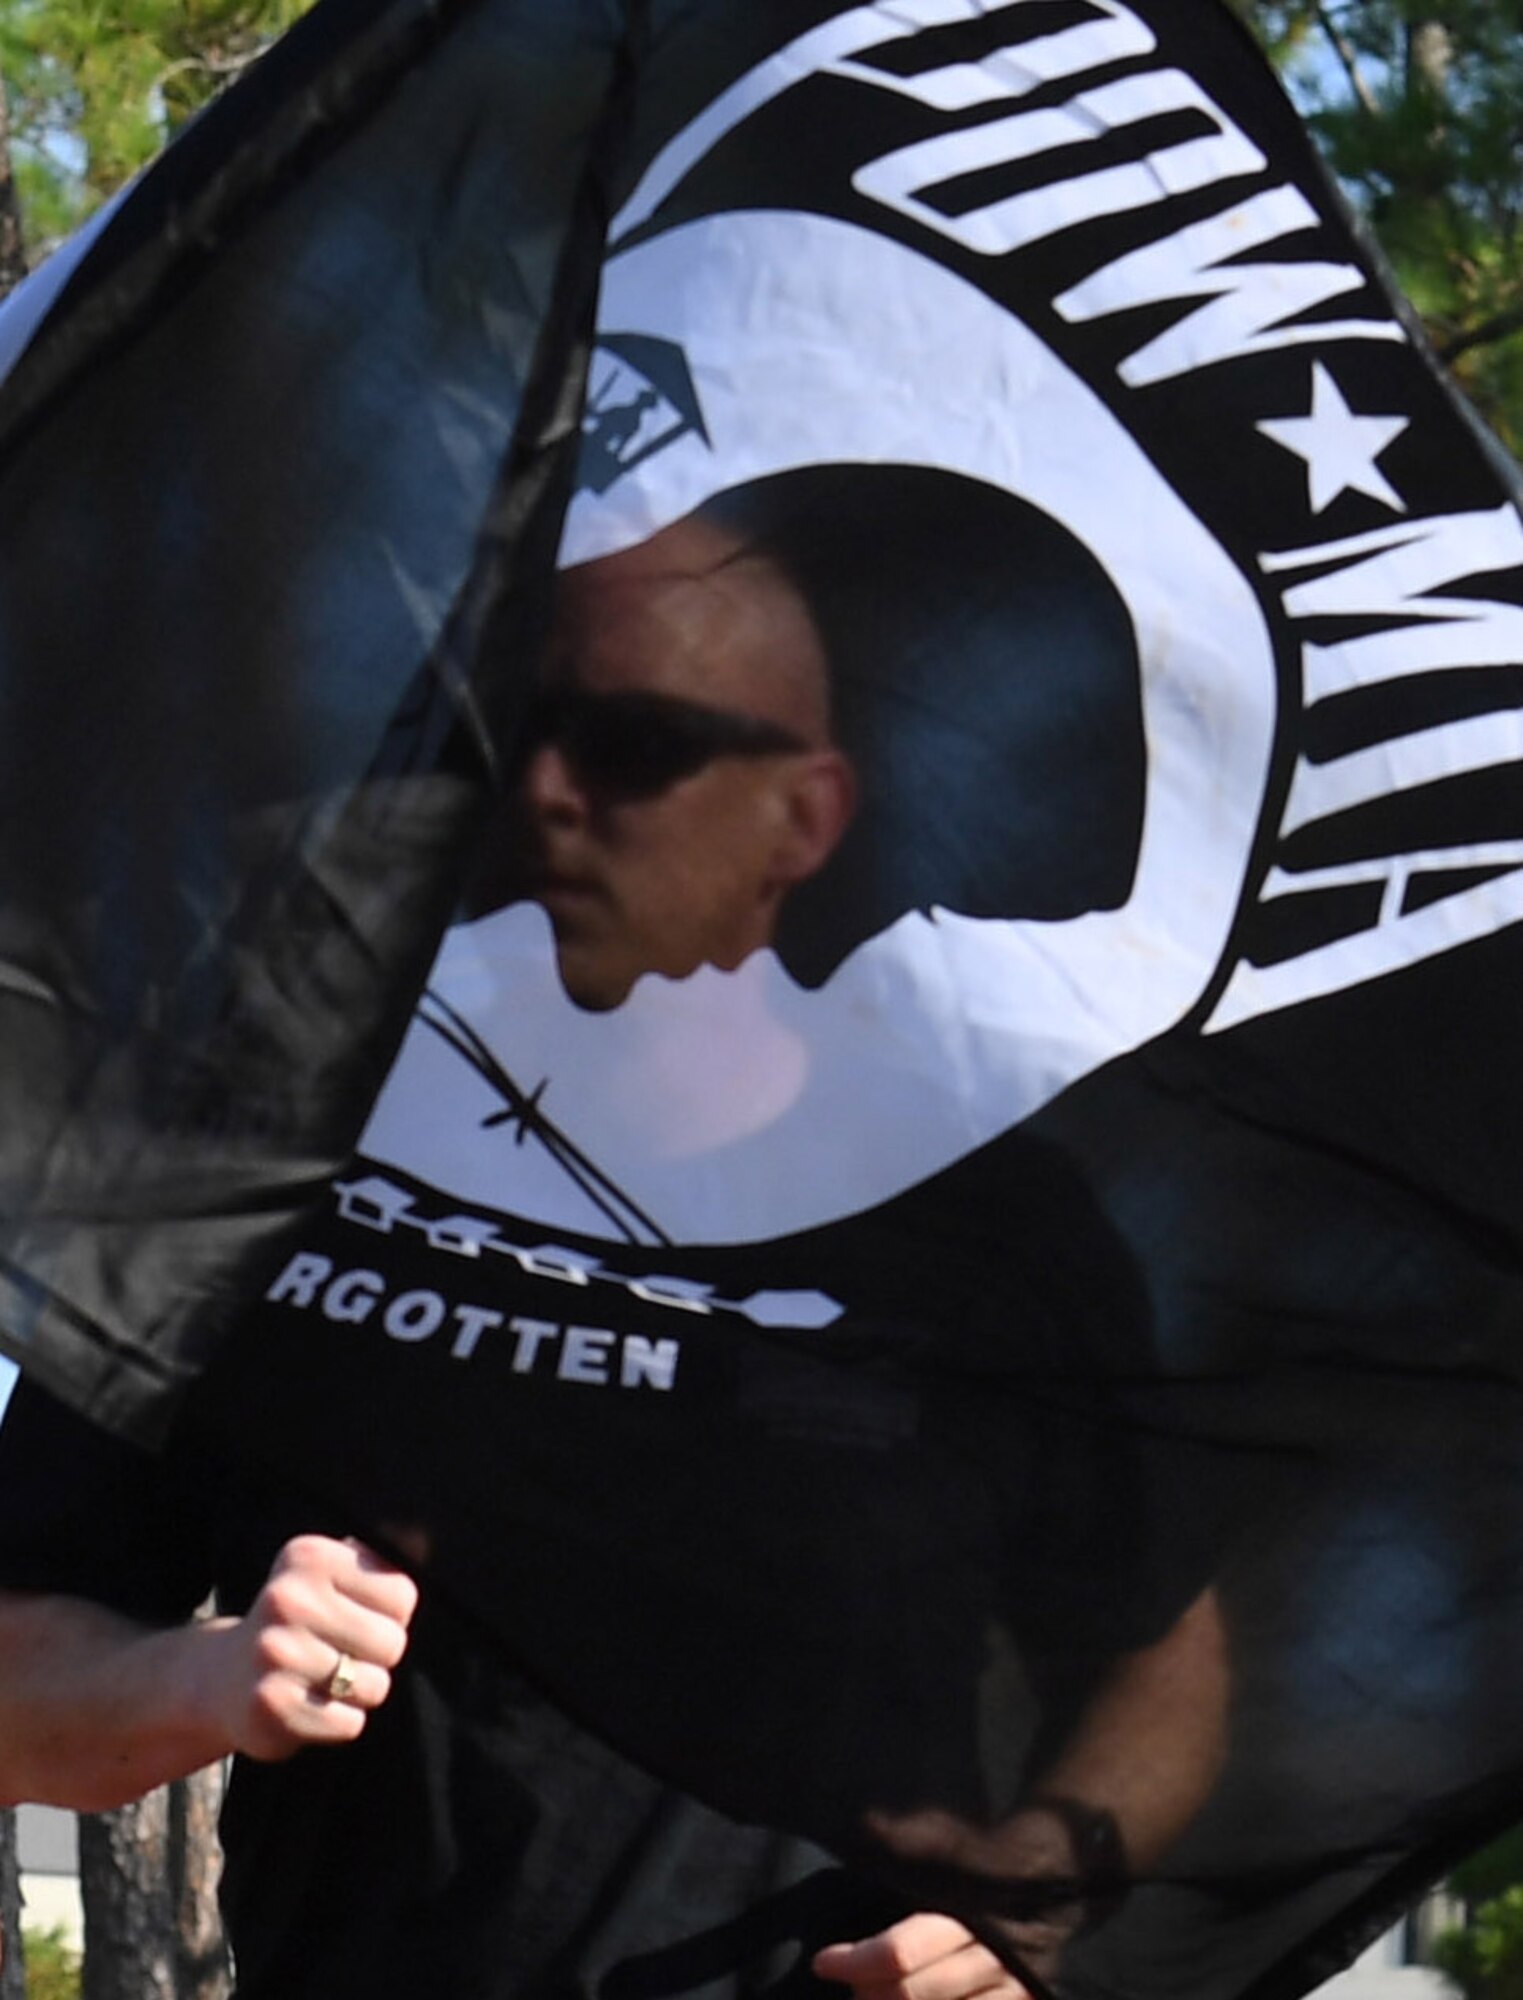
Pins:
x: 1414, y: 103
x: 148, y: 1880
x: 97, y: 89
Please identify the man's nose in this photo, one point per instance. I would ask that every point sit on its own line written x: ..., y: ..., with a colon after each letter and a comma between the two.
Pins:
x: 551, y: 787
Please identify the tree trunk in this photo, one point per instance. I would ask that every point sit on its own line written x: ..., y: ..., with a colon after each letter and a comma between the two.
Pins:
x: 12, y: 1965
x: 1430, y: 56
x: 12, y: 249
x: 148, y: 1875
x: 129, y: 1911
x: 203, y: 1962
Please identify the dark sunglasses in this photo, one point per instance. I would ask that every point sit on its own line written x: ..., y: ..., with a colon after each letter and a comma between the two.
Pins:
x: 627, y: 746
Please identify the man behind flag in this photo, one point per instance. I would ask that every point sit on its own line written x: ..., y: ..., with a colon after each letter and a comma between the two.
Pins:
x: 850, y: 1420
x: 313, y: 1654
x: 689, y: 649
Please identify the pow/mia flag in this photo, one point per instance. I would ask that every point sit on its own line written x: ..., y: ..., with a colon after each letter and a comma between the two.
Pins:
x: 935, y: 1250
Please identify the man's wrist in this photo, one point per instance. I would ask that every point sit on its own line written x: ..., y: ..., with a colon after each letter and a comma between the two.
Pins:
x: 1097, y: 1862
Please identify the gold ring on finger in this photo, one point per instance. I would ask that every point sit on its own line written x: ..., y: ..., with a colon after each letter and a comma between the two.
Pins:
x: 340, y: 1683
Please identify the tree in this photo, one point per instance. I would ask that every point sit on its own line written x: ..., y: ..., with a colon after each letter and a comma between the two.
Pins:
x: 1484, y: 1958
x: 12, y: 251
x: 98, y: 86
x: 148, y: 1880
x: 1411, y: 100
x: 1414, y: 104
x: 12, y: 1969
x: 1483, y: 1955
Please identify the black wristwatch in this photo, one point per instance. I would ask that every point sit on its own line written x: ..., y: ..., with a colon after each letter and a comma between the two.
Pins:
x: 1100, y: 1865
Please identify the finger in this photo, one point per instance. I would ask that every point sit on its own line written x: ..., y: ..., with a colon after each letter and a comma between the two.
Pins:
x: 349, y: 1569
x: 973, y: 1971
x: 370, y: 1580
x: 933, y: 1835
x: 904, y: 1947
x: 961, y: 1975
x: 346, y: 1627
x: 287, y: 1710
x: 304, y: 1628
x: 927, y: 1956
x: 280, y: 1713
x: 280, y: 1725
x: 995, y: 1984
x: 364, y: 1686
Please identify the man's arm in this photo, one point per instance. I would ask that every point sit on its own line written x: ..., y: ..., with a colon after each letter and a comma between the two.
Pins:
x: 1144, y: 1757
x: 96, y: 1709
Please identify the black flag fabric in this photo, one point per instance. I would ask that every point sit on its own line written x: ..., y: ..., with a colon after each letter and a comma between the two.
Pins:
x: 279, y: 456
x: 939, y: 1255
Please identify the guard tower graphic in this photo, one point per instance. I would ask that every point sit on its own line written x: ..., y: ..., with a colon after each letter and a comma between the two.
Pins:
x: 640, y: 399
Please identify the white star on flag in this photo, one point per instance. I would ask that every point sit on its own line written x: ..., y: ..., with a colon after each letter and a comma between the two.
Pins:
x: 1340, y: 448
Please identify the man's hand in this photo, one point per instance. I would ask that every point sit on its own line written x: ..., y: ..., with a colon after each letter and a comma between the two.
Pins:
x: 926, y: 1957
x: 96, y: 1709
x: 326, y: 1606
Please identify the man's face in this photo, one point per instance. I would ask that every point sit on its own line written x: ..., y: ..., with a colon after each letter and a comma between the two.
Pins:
x: 684, y: 707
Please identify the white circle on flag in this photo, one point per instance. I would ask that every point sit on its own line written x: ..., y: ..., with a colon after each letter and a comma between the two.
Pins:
x: 739, y: 1106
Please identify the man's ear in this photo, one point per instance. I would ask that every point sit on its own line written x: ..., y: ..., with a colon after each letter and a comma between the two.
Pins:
x: 820, y: 798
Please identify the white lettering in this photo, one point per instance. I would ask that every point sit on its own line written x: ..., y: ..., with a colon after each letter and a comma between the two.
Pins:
x: 474, y: 1322
x: 648, y: 1361
x: 1393, y: 943
x: 833, y: 46
x: 584, y: 1355
x: 821, y: 48
x: 1114, y: 34
x: 899, y: 179
x: 1387, y: 574
x: 1478, y: 743
x: 1250, y: 303
x: 1394, y: 871
x: 532, y: 1335
x: 415, y: 1315
x: 1395, y: 573
x: 351, y: 1298
x: 1402, y: 565
x: 298, y: 1282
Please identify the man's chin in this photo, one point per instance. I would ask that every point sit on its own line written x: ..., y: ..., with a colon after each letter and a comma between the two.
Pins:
x: 589, y: 982
x: 594, y: 1000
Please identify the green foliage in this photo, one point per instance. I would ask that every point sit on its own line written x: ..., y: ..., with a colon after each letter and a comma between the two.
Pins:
x: 97, y: 86
x: 1286, y: 29
x: 1414, y: 103
x: 1492, y: 1870
x: 1485, y: 1958
x: 52, y: 1969
x: 1415, y: 106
